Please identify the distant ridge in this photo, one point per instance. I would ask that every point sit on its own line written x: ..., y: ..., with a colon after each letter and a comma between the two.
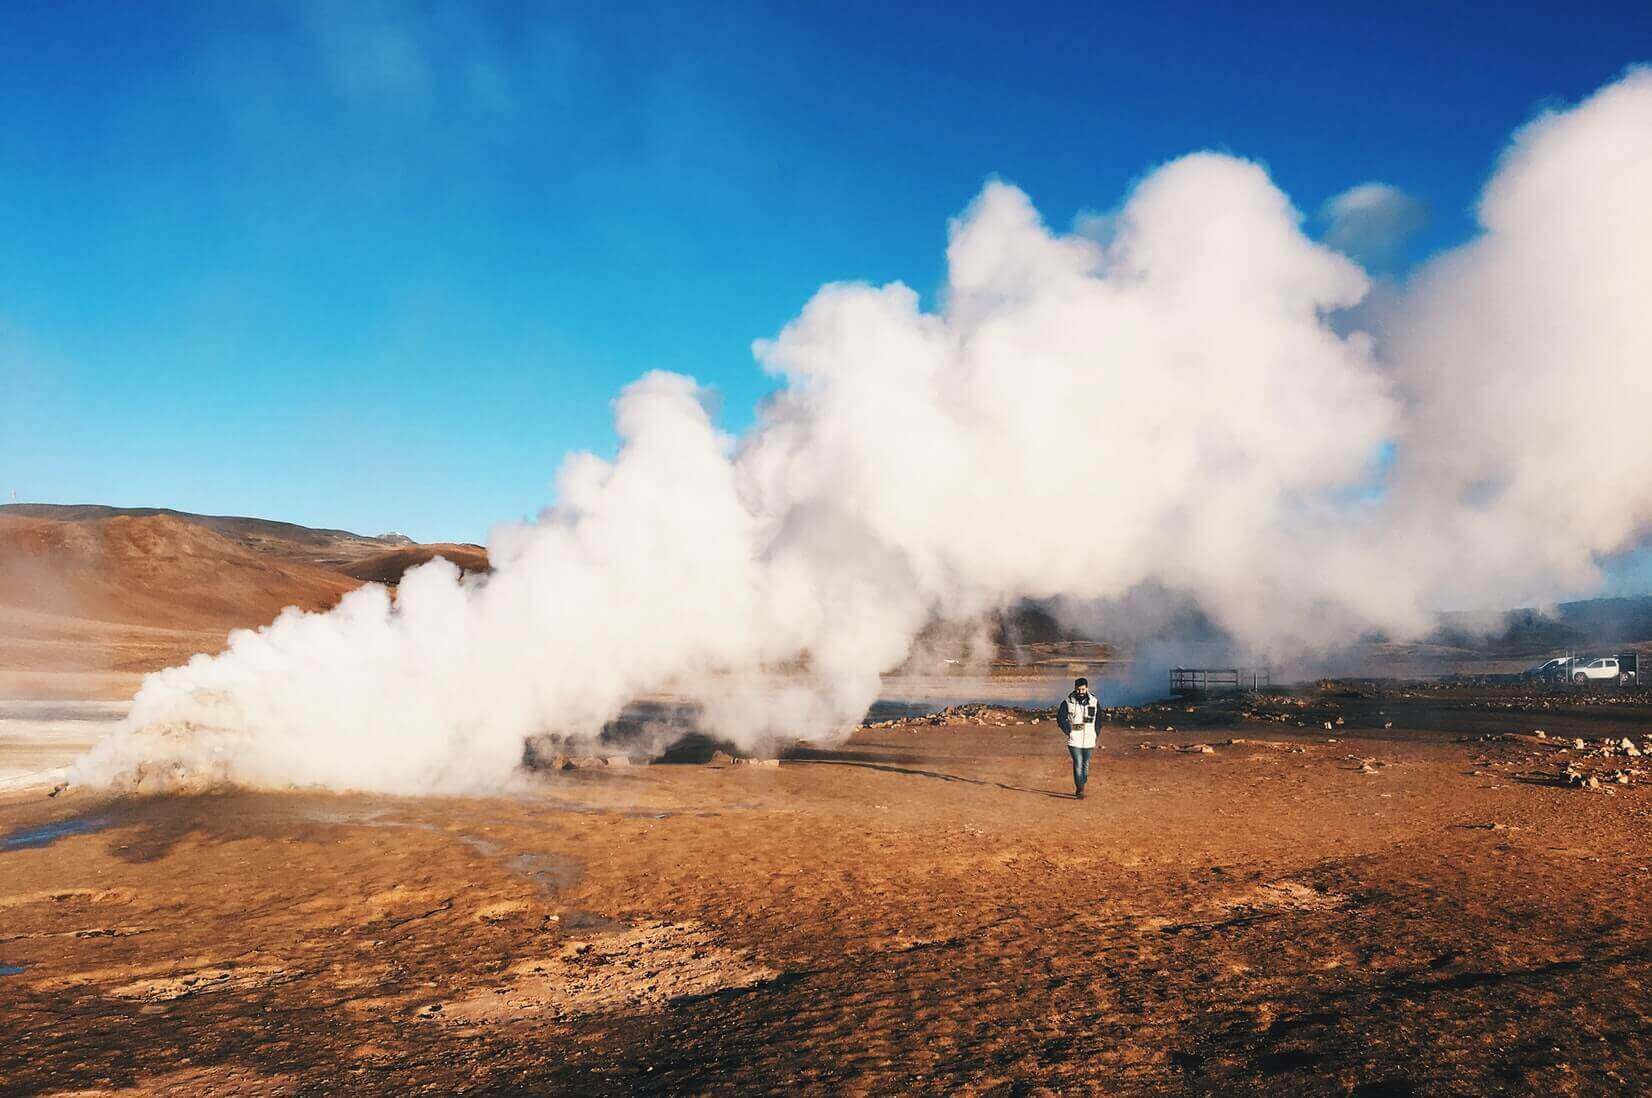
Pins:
x: 1586, y: 623
x: 232, y: 526
x: 99, y: 591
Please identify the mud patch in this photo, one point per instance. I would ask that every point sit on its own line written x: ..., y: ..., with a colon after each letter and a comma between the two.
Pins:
x: 62, y: 895
x: 551, y: 872
x: 588, y: 923
x: 643, y: 968
x: 501, y: 912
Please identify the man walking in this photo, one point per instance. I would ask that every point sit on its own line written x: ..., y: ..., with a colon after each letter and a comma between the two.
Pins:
x: 1077, y: 717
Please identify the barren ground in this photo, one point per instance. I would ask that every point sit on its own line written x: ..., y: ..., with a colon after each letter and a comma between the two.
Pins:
x: 923, y: 910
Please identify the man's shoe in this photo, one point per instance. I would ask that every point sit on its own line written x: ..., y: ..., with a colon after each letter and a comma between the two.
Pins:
x: 1078, y: 794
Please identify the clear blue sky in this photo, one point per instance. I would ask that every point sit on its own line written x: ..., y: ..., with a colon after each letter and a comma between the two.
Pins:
x: 381, y: 266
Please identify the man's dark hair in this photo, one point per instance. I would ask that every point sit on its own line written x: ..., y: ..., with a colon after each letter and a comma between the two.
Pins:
x: 1080, y: 682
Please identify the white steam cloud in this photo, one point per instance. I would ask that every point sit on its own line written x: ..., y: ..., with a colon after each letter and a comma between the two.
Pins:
x: 1165, y: 405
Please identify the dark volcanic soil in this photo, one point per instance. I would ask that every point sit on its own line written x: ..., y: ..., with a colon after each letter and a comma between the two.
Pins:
x: 925, y: 910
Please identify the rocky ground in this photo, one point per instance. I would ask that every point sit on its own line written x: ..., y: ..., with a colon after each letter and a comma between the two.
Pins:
x: 1419, y: 899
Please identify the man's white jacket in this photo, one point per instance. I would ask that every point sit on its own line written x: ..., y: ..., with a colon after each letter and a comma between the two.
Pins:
x: 1077, y: 717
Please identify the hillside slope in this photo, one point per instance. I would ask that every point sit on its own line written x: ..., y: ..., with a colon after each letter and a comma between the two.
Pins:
x: 91, y: 596
x: 155, y: 571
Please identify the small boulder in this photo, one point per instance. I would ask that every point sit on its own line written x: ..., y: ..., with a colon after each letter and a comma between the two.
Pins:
x: 720, y: 758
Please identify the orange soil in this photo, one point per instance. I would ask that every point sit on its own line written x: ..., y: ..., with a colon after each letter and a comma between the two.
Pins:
x: 922, y: 911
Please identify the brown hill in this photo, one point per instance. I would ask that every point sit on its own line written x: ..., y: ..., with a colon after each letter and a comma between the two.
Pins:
x: 281, y: 539
x: 157, y: 571
x: 387, y: 567
x: 90, y: 596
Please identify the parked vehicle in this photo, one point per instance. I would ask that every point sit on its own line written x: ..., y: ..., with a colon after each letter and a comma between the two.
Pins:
x: 1549, y: 671
x: 1622, y: 669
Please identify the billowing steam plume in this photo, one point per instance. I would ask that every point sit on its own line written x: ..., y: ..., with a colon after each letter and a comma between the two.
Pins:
x: 1178, y: 402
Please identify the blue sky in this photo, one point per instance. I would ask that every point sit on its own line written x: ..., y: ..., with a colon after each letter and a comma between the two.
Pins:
x: 381, y: 266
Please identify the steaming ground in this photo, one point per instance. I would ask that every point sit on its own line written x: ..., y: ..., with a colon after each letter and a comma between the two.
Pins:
x: 922, y: 910
x: 39, y: 739
x: 1197, y: 399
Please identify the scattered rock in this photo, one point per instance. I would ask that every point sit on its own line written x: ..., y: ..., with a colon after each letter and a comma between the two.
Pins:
x: 618, y: 760
x: 1577, y: 778
x: 1279, y: 896
x: 720, y: 758
x: 213, y: 978
x: 969, y: 713
x: 543, y: 752
x: 767, y: 763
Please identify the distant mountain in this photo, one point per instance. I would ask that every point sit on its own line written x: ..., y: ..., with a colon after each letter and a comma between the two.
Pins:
x: 387, y: 567
x: 1587, y: 624
x: 283, y: 538
x: 86, y: 588
x: 155, y: 570
x: 287, y: 540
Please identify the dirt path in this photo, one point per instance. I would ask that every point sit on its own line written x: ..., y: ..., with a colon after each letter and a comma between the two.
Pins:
x: 924, y: 910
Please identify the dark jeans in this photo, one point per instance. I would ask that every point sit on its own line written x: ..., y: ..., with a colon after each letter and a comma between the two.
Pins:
x: 1081, y: 765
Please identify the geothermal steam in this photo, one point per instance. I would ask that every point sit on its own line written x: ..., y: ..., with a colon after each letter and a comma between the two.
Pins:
x: 1179, y: 406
